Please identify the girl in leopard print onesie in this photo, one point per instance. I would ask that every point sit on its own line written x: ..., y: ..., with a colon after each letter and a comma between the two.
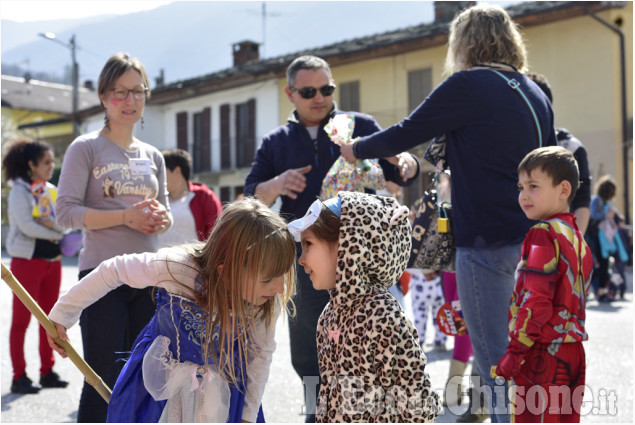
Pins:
x: 372, y: 368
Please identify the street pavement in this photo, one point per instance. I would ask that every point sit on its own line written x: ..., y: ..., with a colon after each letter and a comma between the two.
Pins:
x: 609, y: 351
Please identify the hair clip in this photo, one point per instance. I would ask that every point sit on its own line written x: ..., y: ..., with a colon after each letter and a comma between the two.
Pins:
x: 270, y: 234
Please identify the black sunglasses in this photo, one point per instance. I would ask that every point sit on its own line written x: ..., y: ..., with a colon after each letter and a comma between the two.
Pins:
x: 310, y: 92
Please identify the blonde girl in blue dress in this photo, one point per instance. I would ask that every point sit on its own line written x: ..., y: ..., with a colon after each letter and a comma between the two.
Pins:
x: 205, y: 355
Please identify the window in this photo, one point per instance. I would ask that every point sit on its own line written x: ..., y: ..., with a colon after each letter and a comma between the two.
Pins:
x: 419, y: 86
x: 349, y: 96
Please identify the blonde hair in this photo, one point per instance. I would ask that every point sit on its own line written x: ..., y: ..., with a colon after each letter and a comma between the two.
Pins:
x: 251, y: 243
x: 484, y: 34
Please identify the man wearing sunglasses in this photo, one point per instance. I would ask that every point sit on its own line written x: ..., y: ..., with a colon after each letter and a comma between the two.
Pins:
x: 292, y: 163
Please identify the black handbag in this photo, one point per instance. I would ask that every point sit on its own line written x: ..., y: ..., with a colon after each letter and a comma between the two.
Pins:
x: 435, y: 153
x: 432, y: 238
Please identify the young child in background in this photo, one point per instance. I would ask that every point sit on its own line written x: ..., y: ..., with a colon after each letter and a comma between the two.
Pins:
x: 547, y: 312
x: 372, y: 368
x: 427, y: 297
x: 606, y: 240
x: 205, y: 355
x: 194, y: 206
x: 33, y: 244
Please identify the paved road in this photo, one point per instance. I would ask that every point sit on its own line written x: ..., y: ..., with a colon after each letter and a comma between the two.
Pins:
x: 609, y: 368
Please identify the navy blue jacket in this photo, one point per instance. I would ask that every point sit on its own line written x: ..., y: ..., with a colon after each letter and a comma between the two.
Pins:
x: 290, y: 146
x: 489, y: 130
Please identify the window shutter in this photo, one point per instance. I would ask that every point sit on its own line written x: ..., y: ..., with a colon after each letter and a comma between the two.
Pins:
x: 240, y: 123
x: 181, y: 131
x: 250, y: 146
x: 419, y: 86
x: 245, y: 133
x: 206, y: 140
x: 349, y: 96
x: 225, y: 142
x: 197, y: 119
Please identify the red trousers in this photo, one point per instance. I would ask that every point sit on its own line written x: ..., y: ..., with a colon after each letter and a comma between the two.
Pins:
x: 550, y: 387
x: 42, y: 280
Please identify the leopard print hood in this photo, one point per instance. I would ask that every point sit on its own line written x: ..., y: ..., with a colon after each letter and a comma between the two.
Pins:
x: 365, y: 342
x: 374, y: 245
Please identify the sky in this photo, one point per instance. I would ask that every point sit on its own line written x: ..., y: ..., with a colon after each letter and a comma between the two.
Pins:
x: 40, y: 10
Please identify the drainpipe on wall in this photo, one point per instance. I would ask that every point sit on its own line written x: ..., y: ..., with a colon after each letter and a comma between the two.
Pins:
x: 624, y: 120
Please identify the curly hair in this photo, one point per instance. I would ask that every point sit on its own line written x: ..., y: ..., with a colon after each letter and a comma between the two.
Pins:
x: 484, y: 34
x: 19, y: 153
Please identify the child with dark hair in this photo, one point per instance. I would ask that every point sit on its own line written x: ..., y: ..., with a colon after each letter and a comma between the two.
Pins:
x: 547, y: 312
x: 372, y: 368
x: 194, y: 206
x: 33, y: 244
x: 605, y: 239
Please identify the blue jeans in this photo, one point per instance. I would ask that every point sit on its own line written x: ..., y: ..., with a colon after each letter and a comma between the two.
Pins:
x: 485, y: 280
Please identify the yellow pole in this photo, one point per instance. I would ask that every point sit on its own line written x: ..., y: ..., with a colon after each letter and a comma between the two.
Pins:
x: 91, y: 377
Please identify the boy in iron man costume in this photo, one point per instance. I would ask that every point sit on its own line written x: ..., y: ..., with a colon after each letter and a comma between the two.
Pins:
x: 545, y: 359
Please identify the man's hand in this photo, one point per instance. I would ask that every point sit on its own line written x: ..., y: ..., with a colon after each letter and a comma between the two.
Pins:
x: 291, y: 182
x: 406, y: 163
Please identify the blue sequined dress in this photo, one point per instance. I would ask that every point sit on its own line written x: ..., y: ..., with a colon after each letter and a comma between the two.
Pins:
x: 165, y: 380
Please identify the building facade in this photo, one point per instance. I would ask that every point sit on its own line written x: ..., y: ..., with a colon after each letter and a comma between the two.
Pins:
x: 583, y: 48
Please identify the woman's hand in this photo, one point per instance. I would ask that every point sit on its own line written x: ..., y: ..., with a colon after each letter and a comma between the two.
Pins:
x: 61, y: 332
x: 147, y: 216
x: 406, y: 163
x: 160, y: 217
x: 347, y: 153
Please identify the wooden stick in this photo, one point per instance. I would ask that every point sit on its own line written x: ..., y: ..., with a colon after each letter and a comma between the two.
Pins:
x: 91, y: 377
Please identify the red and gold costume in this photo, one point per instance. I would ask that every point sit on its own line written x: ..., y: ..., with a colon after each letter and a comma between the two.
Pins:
x: 546, y: 323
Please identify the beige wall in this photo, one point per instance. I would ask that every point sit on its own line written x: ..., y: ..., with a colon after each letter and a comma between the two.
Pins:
x: 580, y: 57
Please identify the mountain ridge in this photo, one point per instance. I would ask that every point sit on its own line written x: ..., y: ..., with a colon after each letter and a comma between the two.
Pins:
x: 201, y: 42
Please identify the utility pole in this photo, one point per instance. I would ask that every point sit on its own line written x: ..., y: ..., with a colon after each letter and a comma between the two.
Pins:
x: 72, y: 45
